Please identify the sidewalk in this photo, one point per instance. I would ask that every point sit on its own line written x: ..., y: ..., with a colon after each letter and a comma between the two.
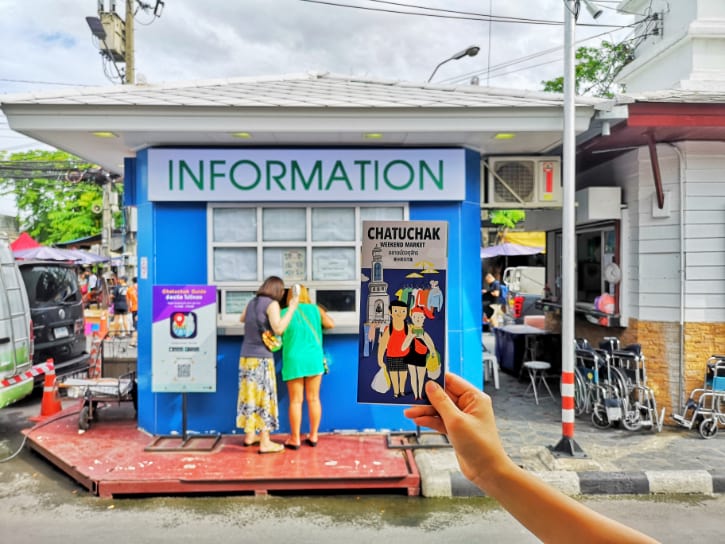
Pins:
x: 617, y: 461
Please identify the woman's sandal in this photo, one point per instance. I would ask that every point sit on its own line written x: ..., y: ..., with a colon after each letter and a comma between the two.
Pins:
x: 276, y: 448
x: 311, y: 443
x: 250, y: 444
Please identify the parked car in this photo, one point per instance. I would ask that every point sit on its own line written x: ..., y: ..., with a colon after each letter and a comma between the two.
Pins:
x: 56, y: 307
x: 16, y: 329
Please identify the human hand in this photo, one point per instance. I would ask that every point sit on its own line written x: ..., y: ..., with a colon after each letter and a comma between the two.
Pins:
x: 465, y: 415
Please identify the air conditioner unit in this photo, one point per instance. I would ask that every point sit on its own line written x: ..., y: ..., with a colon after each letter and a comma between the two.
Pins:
x: 523, y: 182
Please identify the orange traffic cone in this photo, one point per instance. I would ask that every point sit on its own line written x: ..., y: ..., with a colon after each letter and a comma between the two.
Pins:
x: 50, y: 404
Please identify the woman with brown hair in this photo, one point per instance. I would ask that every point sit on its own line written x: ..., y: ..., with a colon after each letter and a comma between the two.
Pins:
x: 257, y: 410
x: 303, y: 365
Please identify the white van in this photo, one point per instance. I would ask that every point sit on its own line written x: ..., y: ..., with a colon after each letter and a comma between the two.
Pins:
x: 16, y: 330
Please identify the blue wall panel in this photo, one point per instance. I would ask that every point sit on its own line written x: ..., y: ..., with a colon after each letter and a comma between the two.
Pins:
x: 172, y: 238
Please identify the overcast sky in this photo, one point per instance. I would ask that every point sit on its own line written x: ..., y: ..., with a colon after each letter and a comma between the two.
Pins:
x: 47, y: 44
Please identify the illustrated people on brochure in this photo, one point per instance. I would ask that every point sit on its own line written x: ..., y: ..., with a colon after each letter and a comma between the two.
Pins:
x: 419, y: 345
x: 391, y: 353
x: 403, y: 315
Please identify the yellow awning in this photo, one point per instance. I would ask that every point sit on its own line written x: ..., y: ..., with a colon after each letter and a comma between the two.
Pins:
x: 530, y: 239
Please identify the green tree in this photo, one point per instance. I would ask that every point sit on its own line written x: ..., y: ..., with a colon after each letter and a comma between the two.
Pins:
x: 50, y: 207
x: 505, y: 220
x: 595, y: 70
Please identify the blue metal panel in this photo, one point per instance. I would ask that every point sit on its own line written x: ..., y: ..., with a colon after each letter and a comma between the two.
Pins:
x: 172, y: 238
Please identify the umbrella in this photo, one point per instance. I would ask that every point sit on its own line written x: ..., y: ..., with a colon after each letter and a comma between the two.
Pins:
x: 509, y: 250
x: 86, y: 257
x: 45, y: 253
x: 24, y: 241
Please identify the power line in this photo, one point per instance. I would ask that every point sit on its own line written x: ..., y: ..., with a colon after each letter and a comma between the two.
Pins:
x: 507, y: 64
x: 32, y: 82
x: 454, y: 15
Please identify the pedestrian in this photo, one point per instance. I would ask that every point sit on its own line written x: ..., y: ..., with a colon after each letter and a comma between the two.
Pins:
x: 492, y: 303
x: 121, y: 317
x: 257, y: 409
x: 465, y: 415
x: 83, y: 284
x: 303, y: 364
x: 132, y: 298
x: 92, y: 281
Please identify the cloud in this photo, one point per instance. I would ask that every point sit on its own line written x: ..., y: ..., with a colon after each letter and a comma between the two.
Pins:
x: 222, y: 38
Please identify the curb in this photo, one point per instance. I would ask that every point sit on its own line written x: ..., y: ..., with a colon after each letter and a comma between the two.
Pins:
x: 704, y: 482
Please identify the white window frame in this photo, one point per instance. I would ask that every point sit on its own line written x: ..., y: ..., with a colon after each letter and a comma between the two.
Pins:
x: 345, y: 321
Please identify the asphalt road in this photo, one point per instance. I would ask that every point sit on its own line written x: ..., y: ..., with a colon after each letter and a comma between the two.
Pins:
x: 38, y: 504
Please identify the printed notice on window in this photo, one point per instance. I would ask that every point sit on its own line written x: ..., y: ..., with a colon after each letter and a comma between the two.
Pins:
x: 402, y: 313
x: 184, y: 339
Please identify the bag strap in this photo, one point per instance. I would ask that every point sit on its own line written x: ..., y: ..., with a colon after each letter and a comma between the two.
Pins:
x: 310, y: 326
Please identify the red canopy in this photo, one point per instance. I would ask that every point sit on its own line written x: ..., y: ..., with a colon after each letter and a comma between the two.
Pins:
x: 24, y: 241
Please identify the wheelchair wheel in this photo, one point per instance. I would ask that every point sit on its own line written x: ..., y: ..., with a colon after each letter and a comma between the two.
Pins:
x: 632, y: 419
x: 599, y: 418
x: 84, y: 418
x: 708, y: 428
x: 580, y: 393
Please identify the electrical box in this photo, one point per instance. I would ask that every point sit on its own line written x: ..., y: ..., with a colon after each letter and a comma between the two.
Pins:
x: 115, y: 44
x: 598, y: 204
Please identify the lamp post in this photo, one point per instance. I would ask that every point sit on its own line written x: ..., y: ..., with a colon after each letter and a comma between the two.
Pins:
x: 470, y: 51
x: 567, y: 445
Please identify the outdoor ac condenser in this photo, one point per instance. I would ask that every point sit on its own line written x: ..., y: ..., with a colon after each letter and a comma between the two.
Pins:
x: 522, y: 182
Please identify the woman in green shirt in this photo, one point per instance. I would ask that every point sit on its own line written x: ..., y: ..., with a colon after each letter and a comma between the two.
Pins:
x: 303, y: 366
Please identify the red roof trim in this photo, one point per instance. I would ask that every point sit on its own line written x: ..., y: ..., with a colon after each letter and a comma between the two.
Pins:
x: 661, y: 114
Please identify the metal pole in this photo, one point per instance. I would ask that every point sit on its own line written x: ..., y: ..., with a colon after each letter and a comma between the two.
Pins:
x: 106, y: 219
x: 129, y: 37
x: 567, y: 445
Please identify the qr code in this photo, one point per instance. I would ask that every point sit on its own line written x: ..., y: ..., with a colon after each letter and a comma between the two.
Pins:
x: 183, y: 370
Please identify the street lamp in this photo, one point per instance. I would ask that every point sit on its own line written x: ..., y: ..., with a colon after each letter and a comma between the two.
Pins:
x: 470, y: 51
x: 594, y: 10
x: 567, y: 445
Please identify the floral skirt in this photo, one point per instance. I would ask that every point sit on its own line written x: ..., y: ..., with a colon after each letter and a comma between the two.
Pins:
x: 257, y: 401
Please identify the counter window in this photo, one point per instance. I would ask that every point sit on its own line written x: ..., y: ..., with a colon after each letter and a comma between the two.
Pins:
x: 318, y: 245
x: 596, y: 252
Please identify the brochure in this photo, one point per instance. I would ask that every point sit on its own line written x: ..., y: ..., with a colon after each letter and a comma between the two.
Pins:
x: 403, y: 310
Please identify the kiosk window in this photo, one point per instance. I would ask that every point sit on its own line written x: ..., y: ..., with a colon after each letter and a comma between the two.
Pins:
x: 315, y: 244
x: 333, y: 224
x: 596, y: 249
x: 227, y: 222
x: 284, y: 225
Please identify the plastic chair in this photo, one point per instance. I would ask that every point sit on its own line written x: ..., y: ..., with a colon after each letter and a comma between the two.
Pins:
x: 490, y: 367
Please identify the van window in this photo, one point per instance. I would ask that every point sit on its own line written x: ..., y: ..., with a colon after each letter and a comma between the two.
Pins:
x: 51, y: 285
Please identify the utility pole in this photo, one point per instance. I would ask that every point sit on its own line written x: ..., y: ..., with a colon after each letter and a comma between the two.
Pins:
x: 106, y: 219
x: 130, y: 77
x: 117, y: 36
